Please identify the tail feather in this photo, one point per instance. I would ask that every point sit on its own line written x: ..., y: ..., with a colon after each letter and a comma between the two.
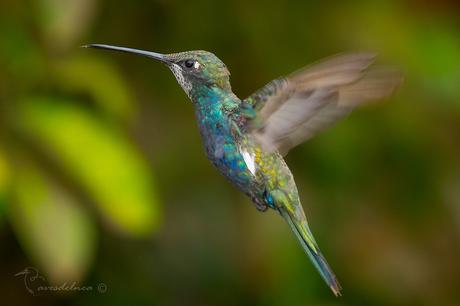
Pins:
x: 301, y: 230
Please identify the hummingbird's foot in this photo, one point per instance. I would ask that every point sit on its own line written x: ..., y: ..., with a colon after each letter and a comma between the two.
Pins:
x: 260, y: 205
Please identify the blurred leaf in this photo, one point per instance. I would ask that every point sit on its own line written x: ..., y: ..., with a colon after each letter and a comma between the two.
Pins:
x: 99, y: 158
x: 53, y: 229
x: 78, y: 74
x: 64, y: 21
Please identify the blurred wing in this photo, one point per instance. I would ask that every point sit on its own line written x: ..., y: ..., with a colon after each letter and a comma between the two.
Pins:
x: 291, y: 110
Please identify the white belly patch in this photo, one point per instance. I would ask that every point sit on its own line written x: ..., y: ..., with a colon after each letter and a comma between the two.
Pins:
x: 249, y: 160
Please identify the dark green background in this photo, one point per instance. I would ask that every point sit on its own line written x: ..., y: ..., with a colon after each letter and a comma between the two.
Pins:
x: 103, y: 178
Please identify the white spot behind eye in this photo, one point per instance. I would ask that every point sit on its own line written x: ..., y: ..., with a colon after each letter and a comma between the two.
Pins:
x: 196, y: 65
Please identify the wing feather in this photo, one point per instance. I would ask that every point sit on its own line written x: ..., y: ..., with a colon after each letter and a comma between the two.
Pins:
x: 291, y: 110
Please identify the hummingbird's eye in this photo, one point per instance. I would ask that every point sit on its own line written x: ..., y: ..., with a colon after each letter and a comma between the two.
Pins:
x: 189, y: 63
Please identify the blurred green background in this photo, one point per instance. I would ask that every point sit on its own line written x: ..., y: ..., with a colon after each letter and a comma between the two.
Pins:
x: 103, y: 178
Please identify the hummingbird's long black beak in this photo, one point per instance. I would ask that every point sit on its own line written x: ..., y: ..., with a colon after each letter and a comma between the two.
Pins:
x: 154, y: 55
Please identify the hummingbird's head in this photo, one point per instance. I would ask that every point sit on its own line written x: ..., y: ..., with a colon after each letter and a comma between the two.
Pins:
x: 191, y: 68
x: 194, y: 68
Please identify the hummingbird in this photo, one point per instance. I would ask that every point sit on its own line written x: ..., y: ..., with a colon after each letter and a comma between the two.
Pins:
x: 246, y: 139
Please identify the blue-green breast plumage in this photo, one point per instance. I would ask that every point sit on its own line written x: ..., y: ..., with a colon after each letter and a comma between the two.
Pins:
x: 237, y: 155
x: 221, y: 139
